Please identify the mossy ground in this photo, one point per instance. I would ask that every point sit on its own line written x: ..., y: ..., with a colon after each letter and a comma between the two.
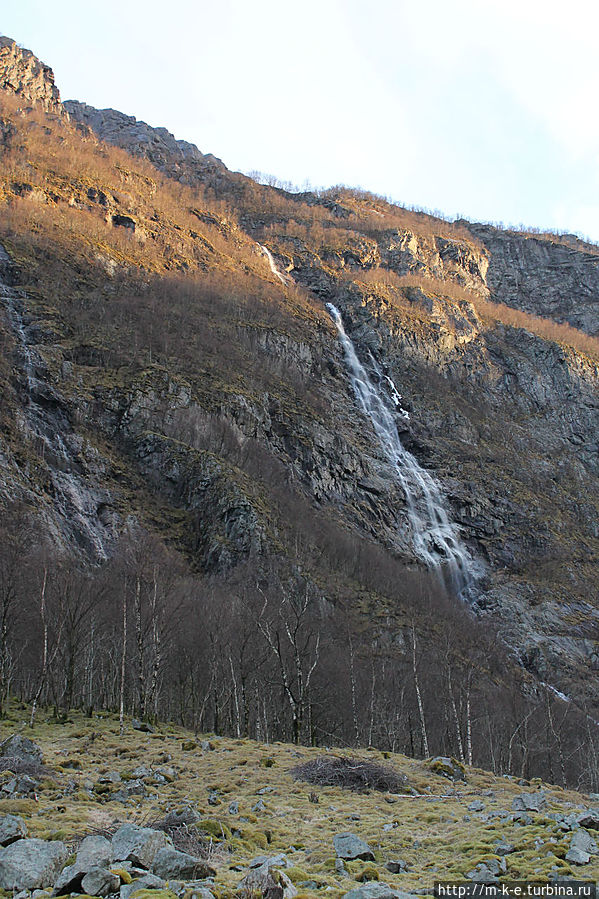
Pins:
x: 437, y: 836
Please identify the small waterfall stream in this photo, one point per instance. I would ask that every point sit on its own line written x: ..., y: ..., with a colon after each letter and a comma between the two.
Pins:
x: 284, y: 279
x: 435, y: 537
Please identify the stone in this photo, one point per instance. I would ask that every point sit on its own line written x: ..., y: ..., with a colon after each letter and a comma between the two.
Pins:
x: 233, y: 808
x: 376, y: 890
x: 267, y: 882
x: 145, y: 882
x: 529, y: 802
x: 259, y: 807
x: 31, y: 864
x: 138, y: 845
x: 25, y: 75
x: 476, y: 806
x: 503, y: 848
x: 142, y: 726
x: 271, y: 861
x: 396, y: 866
x: 348, y: 846
x: 170, y: 863
x: 583, y: 841
x: 589, y: 818
x: 12, y: 828
x: 21, y: 748
x: 578, y: 856
x: 100, y: 882
x: 94, y: 852
x: 448, y: 767
x: 182, y: 817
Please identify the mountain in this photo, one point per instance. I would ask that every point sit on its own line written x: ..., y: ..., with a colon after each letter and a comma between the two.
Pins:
x: 308, y: 443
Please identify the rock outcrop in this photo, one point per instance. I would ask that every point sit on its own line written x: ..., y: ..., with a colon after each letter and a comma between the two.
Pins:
x: 22, y: 74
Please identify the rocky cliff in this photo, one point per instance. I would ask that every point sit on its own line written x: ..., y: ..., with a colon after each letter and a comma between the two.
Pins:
x: 23, y: 74
x: 160, y: 370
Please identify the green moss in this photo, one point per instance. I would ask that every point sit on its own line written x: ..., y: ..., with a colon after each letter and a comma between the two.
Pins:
x: 369, y: 872
x: 215, y: 828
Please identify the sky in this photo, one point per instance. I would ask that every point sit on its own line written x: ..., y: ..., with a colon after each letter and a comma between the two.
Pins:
x: 485, y: 109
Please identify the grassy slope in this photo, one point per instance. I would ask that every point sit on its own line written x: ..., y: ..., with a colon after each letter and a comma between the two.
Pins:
x: 437, y: 836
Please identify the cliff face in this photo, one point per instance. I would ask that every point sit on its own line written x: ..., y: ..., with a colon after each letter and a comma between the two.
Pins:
x: 195, y: 390
x: 23, y: 74
x: 555, y: 277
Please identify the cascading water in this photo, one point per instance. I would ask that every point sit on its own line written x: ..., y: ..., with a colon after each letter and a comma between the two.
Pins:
x: 435, y: 538
x: 284, y: 279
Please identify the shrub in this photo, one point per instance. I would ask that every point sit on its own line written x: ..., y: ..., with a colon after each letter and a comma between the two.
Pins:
x: 350, y: 773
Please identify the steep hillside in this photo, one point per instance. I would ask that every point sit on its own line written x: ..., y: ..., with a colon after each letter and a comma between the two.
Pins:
x: 171, y: 370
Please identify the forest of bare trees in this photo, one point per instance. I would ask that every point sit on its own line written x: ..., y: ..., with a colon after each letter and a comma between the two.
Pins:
x: 255, y: 655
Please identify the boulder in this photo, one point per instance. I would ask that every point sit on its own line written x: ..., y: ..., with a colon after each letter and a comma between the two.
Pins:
x: 94, y: 852
x: 589, y: 818
x: 577, y: 857
x: 267, y: 882
x: 100, y: 882
x: 529, y: 802
x: 396, y: 866
x: 31, y: 864
x: 348, y: 846
x: 146, y: 882
x: 583, y: 841
x: 138, y: 844
x: 21, y: 748
x: 271, y: 861
x: 171, y: 864
x: 12, y: 828
x: 375, y: 890
x: 448, y: 767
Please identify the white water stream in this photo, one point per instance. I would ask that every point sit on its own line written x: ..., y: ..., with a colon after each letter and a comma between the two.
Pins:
x: 435, y: 538
x: 284, y: 279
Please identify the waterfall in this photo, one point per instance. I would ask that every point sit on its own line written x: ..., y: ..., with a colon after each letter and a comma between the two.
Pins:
x: 284, y: 279
x: 435, y: 538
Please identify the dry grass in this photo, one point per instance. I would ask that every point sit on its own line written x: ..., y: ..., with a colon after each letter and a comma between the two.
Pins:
x: 430, y: 834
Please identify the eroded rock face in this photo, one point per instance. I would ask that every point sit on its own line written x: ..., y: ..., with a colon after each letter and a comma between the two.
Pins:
x: 551, y: 277
x: 23, y: 74
x: 157, y: 145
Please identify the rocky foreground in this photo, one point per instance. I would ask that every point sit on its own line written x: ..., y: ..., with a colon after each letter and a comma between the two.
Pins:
x: 161, y: 812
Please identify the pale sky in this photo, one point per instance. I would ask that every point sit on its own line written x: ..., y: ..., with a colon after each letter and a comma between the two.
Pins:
x: 481, y: 108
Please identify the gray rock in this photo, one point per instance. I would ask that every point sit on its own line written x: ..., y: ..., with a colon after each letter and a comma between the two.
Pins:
x: 271, y: 861
x: 94, y: 852
x: 340, y: 867
x: 529, y: 802
x: 145, y: 882
x: 268, y: 882
x: 476, y: 806
x: 348, y: 846
x: 142, y: 726
x: 396, y: 866
x: 233, y: 808
x: 503, y: 848
x: 583, y: 841
x: 31, y: 864
x: 21, y: 748
x: 182, y: 817
x: 259, y: 807
x: 589, y: 818
x: 578, y: 857
x: 138, y: 844
x: 12, y: 828
x: 375, y: 890
x: 448, y: 767
x: 100, y: 882
x: 170, y: 863
x: 68, y: 881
